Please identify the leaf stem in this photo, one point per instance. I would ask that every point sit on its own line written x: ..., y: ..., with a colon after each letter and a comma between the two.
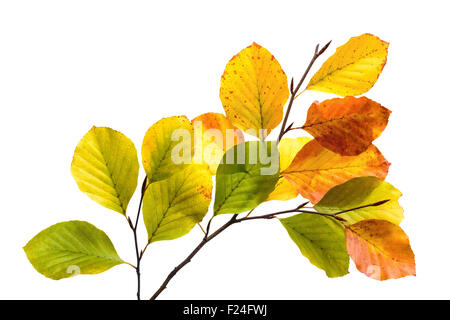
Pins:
x: 294, y: 91
x: 203, y: 230
x: 299, y: 94
x: 130, y: 264
x: 250, y: 212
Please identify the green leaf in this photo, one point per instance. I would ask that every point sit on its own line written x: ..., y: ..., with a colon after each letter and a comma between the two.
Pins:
x: 70, y: 248
x: 321, y: 240
x: 105, y: 167
x: 167, y: 148
x: 172, y: 207
x: 247, y: 175
x: 359, y: 192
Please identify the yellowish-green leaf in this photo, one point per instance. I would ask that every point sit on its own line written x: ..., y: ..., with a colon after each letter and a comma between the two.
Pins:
x: 359, y: 192
x: 353, y: 69
x: 288, y: 149
x: 247, y: 175
x: 71, y: 248
x: 167, y: 148
x: 321, y: 240
x: 254, y: 90
x: 172, y: 207
x: 105, y: 167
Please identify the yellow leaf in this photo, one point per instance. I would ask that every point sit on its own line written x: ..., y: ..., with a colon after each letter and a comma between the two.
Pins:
x: 167, y: 148
x: 283, y: 191
x: 353, y: 69
x: 213, y: 135
x: 172, y: 207
x: 254, y: 90
x: 287, y: 148
x: 105, y: 167
x: 315, y: 169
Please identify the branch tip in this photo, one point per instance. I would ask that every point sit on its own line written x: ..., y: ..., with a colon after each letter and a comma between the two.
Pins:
x: 289, y: 127
x: 302, y: 205
x: 325, y: 47
x: 130, y: 223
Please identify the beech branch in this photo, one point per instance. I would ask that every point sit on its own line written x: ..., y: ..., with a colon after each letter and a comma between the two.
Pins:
x: 234, y: 219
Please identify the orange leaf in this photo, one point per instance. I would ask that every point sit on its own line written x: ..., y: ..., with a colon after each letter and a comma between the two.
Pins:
x: 346, y: 125
x: 213, y: 135
x: 315, y: 169
x: 380, y: 249
x: 254, y: 90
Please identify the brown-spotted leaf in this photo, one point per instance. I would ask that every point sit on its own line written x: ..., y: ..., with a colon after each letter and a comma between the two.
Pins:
x: 254, y: 90
x: 346, y: 125
x: 315, y: 169
x: 380, y: 249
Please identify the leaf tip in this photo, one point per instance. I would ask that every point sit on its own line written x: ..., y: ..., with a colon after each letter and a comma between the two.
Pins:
x: 254, y: 44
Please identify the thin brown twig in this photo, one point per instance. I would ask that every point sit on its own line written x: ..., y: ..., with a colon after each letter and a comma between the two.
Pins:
x: 191, y: 255
x: 139, y: 254
x: 208, y: 238
x: 335, y: 215
x: 234, y: 219
x: 293, y: 93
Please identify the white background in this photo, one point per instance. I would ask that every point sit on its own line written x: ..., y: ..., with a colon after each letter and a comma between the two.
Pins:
x: 68, y: 65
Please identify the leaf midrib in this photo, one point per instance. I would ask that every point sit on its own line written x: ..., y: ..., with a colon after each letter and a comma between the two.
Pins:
x: 342, y: 67
x: 246, y: 173
x: 114, y: 184
x: 85, y: 254
x: 383, y: 252
x: 328, y: 169
x: 167, y: 210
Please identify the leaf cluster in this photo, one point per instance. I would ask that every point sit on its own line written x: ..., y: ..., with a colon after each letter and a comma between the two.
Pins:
x: 355, y: 213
